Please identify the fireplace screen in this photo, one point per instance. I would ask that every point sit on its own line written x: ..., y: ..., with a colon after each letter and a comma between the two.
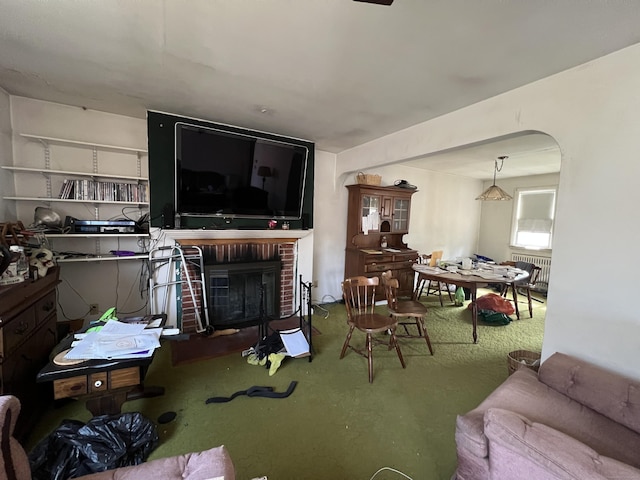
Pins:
x: 238, y: 290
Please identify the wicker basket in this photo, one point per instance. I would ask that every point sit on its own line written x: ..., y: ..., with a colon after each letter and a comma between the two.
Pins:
x: 368, y: 179
x: 523, y: 359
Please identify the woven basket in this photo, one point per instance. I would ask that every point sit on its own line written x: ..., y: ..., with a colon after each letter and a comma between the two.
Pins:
x: 368, y: 179
x: 523, y: 359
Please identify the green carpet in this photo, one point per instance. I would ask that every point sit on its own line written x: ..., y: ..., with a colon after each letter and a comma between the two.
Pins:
x: 335, y: 424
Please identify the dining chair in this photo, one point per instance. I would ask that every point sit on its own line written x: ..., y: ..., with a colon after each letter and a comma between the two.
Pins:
x: 359, y: 298
x: 433, y: 287
x: 406, y: 312
x: 523, y: 286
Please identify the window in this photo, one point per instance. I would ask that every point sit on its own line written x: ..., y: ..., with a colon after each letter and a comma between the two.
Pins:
x: 533, y: 214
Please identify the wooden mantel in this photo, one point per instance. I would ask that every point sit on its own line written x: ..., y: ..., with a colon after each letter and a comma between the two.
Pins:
x: 216, y: 237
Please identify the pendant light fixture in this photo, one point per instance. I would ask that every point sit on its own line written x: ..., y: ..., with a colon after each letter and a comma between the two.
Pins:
x: 494, y: 192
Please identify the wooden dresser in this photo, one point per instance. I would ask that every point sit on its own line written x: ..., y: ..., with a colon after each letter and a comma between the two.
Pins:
x: 373, y: 213
x: 27, y: 336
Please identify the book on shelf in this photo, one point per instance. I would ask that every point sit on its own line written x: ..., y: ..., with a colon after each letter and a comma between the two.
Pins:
x: 103, y: 191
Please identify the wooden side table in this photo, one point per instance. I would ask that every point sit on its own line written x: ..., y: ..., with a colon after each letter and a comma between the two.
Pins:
x: 104, y: 384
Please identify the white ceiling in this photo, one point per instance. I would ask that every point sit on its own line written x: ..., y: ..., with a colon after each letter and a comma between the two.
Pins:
x: 336, y: 72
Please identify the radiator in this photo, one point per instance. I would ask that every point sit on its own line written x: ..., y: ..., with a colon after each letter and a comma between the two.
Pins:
x: 539, y: 261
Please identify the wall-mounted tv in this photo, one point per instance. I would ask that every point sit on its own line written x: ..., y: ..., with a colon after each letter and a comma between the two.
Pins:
x: 233, y: 175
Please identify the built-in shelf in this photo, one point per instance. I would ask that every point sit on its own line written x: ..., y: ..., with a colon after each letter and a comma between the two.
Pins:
x: 103, y: 258
x: 69, y: 200
x: 95, y: 235
x: 96, y: 184
x: 75, y: 143
x: 75, y: 174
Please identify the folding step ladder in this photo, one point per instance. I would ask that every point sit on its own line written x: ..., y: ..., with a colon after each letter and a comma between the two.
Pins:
x: 169, y: 267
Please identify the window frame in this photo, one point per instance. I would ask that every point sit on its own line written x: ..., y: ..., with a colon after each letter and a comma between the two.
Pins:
x: 519, y: 193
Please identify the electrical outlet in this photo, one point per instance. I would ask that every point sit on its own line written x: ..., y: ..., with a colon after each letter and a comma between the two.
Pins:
x: 94, y: 309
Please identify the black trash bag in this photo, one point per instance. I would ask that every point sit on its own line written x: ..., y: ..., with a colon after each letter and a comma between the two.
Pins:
x: 104, y: 443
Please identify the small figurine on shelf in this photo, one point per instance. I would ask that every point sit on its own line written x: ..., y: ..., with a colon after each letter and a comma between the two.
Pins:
x: 383, y: 242
x: 272, y: 224
x: 285, y: 225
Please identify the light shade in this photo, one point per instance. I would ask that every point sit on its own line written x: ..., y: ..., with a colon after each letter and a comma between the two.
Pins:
x: 494, y: 192
x: 264, y: 171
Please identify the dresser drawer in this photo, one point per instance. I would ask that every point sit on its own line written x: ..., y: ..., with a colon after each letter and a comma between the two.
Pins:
x: 405, y: 257
x: 18, y: 330
x: 377, y: 259
x: 45, y: 306
x: 70, y: 387
x: 382, y: 267
x: 125, y: 377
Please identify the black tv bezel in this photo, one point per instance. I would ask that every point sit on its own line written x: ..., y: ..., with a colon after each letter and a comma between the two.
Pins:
x: 227, y: 215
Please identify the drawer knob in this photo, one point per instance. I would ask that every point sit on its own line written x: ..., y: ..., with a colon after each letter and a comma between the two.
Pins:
x: 97, y: 383
x: 24, y: 326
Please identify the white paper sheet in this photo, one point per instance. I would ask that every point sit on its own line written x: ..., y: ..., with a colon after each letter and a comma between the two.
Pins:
x: 294, y: 342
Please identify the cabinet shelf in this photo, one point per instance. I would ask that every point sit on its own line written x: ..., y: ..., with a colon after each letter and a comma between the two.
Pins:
x: 75, y: 143
x: 96, y: 235
x: 103, y: 258
x: 75, y: 174
x: 68, y: 200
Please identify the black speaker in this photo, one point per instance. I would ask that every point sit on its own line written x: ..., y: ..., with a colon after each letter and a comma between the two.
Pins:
x: 168, y: 216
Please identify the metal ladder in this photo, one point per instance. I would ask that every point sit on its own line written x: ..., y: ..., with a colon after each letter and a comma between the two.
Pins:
x: 167, y: 257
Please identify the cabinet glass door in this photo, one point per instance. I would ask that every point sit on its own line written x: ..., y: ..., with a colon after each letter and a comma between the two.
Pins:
x: 401, y: 214
x: 370, y: 212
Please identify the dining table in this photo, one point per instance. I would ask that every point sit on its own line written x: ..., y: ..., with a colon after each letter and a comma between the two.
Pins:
x: 480, y: 275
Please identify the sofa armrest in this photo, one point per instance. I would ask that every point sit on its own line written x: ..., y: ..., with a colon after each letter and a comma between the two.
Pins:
x: 613, y: 395
x: 212, y: 464
x: 519, y: 448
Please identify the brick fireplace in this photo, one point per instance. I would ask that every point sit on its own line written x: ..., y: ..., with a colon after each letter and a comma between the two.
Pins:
x: 258, y: 251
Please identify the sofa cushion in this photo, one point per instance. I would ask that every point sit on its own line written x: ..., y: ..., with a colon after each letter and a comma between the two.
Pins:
x: 211, y: 464
x: 522, y: 393
x: 520, y: 448
x: 606, y: 392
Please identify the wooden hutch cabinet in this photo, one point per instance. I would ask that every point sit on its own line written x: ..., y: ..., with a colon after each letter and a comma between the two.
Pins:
x: 376, y: 214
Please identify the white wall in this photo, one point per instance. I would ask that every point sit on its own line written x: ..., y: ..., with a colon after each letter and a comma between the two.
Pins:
x: 7, y: 209
x: 591, y: 111
x: 496, y: 217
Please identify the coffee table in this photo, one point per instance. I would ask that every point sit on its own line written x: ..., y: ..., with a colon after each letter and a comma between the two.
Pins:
x: 104, y: 384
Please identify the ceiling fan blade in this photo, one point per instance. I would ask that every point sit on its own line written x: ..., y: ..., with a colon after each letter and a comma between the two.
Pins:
x: 377, y: 2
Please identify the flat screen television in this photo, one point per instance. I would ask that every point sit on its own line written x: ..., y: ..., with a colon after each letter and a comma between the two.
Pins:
x: 225, y: 174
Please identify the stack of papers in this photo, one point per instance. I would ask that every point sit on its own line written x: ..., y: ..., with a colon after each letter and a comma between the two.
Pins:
x: 428, y: 269
x: 116, y: 341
